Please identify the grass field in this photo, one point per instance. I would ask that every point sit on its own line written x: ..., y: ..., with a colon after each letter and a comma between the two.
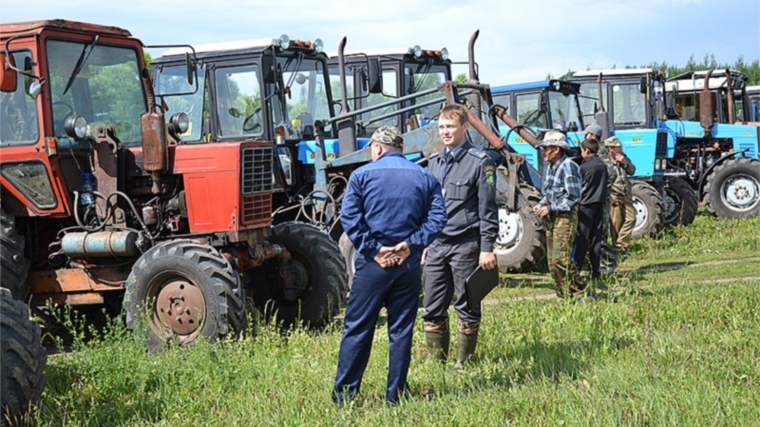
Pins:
x: 676, y: 342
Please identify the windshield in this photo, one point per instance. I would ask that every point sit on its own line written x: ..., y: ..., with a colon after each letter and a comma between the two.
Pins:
x: 306, y: 96
x: 422, y: 76
x: 565, y: 111
x: 18, y: 110
x: 107, y: 88
x: 629, y: 105
x: 589, y: 100
x: 173, y: 79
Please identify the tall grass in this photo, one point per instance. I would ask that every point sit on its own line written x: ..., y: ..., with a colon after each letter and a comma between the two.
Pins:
x: 659, y: 349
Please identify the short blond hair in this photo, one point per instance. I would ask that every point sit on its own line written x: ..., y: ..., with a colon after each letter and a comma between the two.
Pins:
x: 456, y: 112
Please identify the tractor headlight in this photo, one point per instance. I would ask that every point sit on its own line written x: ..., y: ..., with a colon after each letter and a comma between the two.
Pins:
x: 444, y: 54
x: 75, y: 126
x: 284, y: 41
x: 318, y: 46
x: 416, y: 51
x: 180, y: 122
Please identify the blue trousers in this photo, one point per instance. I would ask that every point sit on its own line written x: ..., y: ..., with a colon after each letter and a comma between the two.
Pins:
x: 398, y: 289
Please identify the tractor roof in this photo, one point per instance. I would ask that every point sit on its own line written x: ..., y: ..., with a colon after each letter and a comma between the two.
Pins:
x: 557, y: 85
x: 614, y: 72
x: 239, y: 45
x: 695, y: 80
x: 28, y: 28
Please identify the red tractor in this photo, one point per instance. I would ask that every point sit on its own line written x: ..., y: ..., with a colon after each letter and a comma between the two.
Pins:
x: 103, y: 203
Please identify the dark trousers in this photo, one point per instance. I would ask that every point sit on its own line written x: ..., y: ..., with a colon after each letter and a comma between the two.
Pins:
x: 589, y: 235
x: 446, y: 269
x: 396, y: 288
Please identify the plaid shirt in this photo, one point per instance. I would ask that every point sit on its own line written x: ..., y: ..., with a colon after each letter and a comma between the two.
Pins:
x: 561, y: 190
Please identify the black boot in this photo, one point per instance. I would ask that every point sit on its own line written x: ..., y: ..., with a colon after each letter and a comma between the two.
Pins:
x: 465, y: 348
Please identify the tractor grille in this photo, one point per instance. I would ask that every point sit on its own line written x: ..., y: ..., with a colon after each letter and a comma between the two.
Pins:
x: 257, y: 174
x: 661, y: 150
x: 257, y: 183
x: 752, y: 152
x: 257, y: 209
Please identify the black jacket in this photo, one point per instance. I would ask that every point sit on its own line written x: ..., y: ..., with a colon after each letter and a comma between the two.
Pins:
x: 594, y: 176
x: 467, y: 177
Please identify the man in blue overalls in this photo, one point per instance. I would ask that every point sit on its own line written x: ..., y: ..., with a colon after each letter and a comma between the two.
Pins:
x: 467, y: 177
x: 391, y: 211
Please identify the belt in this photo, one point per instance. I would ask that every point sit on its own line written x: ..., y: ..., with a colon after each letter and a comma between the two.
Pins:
x: 469, y: 234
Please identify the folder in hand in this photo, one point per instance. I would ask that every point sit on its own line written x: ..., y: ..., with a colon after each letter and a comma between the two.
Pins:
x: 479, y: 284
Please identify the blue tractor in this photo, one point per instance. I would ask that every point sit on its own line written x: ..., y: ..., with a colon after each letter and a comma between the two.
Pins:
x: 718, y: 160
x: 555, y: 104
x: 412, y: 92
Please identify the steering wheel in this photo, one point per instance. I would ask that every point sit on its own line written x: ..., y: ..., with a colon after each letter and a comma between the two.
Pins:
x: 256, y: 124
x: 532, y: 119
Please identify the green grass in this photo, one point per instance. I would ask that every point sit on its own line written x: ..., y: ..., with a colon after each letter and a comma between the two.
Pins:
x: 661, y: 348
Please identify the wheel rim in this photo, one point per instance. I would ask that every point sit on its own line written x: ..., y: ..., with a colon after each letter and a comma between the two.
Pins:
x: 740, y: 192
x: 510, y: 230
x: 179, y: 310
x: 642, y: 213
x: 671, y: 202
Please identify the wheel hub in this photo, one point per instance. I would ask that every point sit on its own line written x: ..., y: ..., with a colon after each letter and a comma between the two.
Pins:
x: 294, y: 278
x: 670, y: 203
x: 510, y: 229
x: 642, y: 213
x: 180, y: 306
x: 741, y: 192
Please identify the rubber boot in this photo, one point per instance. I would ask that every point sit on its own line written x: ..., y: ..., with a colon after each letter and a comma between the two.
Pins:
x: 438, y: 345
x: 437, y: 338
x: 465, y: 348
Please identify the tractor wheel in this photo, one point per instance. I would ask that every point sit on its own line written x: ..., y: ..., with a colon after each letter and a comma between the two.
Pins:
x: 647, y: 203
x: 350, y: 254
x: 733, y: 188
x: 23, y: 360
x: 679, y: 201
x: 14, y: 265
x: 184, y: 290
x: 307, y: 288
x: 521, y: 244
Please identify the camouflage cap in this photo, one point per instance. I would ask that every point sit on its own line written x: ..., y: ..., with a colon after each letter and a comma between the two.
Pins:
x: 388, y: 135
x: 554, y: 138
x: 612, y: 141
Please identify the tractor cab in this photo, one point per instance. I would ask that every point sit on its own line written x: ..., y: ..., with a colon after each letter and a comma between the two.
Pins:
x: 400, y: 73
x: 256, y: 90
x: 729, y: 92
x: 541, y: 106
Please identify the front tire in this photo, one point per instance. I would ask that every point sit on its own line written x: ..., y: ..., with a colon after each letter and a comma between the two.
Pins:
x: 733, y: 189
x: 14, y: 264
x: 314, y: 278
x: 22, y: 357
x: 647, y: 203
x: 680, y: 202
x: 184, y: 290
x: 521, y: 243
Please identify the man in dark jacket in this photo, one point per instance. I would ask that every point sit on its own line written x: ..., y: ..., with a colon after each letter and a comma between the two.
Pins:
x: 591, y: 208
x: 467, y: 176
x: 392, y: 210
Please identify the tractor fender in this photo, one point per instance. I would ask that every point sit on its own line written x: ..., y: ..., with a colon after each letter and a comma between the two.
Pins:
x: 701, y: 183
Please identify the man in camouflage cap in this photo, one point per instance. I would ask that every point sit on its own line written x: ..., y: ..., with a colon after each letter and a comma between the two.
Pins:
x: 622, y: 214
x: 391, y: 211
x: 560, y: 195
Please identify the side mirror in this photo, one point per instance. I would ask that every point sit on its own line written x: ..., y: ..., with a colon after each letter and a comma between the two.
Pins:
x: 191, y: 70
x: 643, y: 85
x: 9, y: 77
x: 374, y: 76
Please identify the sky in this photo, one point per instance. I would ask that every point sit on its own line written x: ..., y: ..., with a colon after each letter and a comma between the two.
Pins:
x: 519, y: 41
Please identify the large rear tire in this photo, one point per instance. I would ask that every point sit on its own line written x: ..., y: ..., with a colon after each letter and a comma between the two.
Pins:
x: 184, y: 290
x: 22, y: 358
x: 521, y: 243
x: 680, y: 202
x: 14, y: 265
x: 733, y: 189
x: 647, y: 203
x: 310, y: 292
